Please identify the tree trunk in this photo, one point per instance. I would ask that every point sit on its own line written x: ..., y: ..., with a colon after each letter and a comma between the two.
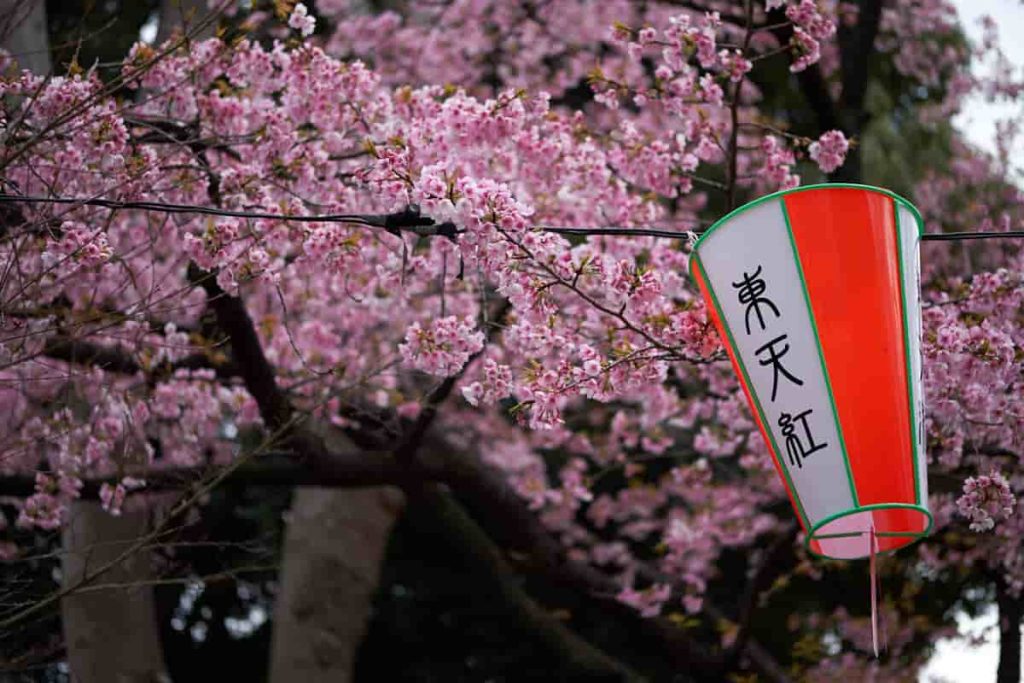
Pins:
x: 1011, y: 611
x: 110, y: 633
x: 333, y: 551
x: 23, y: 34
x: 441, y: 515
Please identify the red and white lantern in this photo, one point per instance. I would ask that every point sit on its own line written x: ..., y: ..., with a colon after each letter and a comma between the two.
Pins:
x: 815, y: 292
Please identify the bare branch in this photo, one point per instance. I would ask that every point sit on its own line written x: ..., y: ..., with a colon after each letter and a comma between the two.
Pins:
x: 116, y: 359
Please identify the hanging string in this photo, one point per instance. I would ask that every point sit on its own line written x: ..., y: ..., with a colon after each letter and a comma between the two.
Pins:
x: 873, y: 570
x: 410, y: 220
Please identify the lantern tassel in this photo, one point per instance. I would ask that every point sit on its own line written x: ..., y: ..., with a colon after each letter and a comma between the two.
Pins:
x: 874, y: 594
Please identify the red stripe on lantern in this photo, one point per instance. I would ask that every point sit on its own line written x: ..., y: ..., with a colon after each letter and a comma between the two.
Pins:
x: 847, y: 244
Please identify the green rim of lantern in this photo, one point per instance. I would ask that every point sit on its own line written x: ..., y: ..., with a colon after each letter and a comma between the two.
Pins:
x: 819, y: 186
x: 915, y: 536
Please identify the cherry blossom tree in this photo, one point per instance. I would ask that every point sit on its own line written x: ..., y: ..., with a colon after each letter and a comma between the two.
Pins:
x: 442, y: 248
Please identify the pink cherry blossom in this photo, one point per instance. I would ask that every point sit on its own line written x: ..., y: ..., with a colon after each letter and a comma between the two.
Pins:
x: 829, y: 151
x: 986, y: 499
x: 301, y: 21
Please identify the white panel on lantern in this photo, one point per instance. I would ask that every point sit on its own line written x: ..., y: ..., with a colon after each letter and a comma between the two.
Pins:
x: 910, y: 243
x: 756, y: 246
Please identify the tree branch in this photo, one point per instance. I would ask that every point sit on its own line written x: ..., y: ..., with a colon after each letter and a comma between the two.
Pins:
x: 411, y: 440
x: 734, y: 114
x: 329, y: 454
x: 774, y: 562
x: 855, y: 46
x: 325, y: 459
x: 355, y: 468
x: 117, y: 359
x: 246, y: 349
x: 509, y: 521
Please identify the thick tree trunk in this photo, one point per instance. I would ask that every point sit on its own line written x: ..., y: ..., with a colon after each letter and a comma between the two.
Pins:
x: 110, y: 633
x: 23, y: 34
x: 1011, y: 611
x: 333, y: 551
x: 440, y: 514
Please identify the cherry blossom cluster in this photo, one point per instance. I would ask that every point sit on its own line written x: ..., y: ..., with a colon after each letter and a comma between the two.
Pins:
x: 810, y: 28
x: 443, y: 347
x: 986, y: 499
x: 829, y: 151
x: 301, y: 21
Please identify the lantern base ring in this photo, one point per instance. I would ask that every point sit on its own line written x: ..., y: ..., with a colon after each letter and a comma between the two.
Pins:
x: 846, y: 535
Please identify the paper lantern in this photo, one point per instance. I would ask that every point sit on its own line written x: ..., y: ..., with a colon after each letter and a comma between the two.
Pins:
x: 815, y: 292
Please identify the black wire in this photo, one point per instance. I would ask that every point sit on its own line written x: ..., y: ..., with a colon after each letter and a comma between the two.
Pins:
x: 185, y: 208
x: 954, y: 236
x: 626, y: 232
x: 411, y: 220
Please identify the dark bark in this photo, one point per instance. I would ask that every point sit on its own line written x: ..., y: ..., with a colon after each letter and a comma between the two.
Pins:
x: 246, y: 349
x: 1011, y: 611
x: 314, y: 546
x: 354, y: 468
x: 856, y: 46
x: 777, y: 559
x: 115, y: 359
x: 811, y: 80
x: 506, y: 518
x: 440, y: 512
